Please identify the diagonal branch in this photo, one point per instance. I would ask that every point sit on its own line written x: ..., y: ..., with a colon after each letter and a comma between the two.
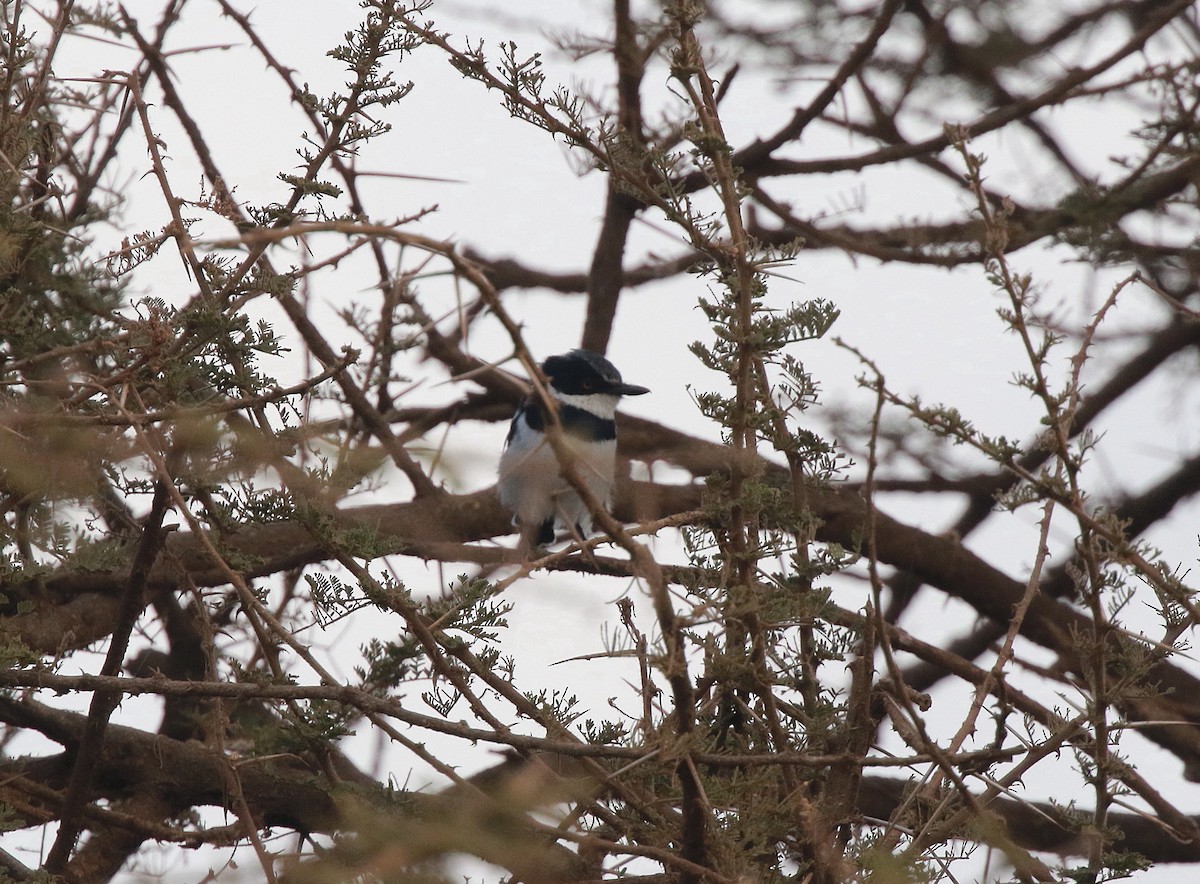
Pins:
x: 104, y: 703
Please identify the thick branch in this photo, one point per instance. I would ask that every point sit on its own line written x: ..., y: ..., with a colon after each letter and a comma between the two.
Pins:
x: 940, y: 561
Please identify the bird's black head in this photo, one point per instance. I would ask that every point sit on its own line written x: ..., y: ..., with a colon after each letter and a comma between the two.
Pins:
x: 582, y: 373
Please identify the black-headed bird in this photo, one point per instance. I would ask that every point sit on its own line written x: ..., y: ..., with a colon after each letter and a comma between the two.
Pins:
x: 586, y: 388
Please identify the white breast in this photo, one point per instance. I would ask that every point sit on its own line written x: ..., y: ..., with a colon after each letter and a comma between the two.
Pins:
x: 532, y: 486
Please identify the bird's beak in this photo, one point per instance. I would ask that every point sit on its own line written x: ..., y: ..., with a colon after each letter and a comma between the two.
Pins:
x: 630, y: 390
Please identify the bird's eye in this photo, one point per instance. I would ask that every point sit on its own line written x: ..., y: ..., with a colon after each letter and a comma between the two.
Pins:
x: 587, y: 385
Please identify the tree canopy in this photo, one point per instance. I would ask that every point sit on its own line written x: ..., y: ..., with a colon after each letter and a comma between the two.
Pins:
x: 896, y: 583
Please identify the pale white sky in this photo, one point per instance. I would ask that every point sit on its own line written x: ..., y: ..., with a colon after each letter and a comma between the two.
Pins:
x: 932, y: 331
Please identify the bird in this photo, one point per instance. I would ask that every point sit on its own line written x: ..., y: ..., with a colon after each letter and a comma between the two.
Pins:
x: 586, y: 387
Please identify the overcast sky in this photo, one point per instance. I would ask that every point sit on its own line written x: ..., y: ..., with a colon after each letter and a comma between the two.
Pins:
x: 517, y: 192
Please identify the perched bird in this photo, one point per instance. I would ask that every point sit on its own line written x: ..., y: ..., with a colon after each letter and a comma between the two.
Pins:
x: 587, y: 389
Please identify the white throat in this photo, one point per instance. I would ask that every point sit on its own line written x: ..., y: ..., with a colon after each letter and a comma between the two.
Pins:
x: 602, y: 405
